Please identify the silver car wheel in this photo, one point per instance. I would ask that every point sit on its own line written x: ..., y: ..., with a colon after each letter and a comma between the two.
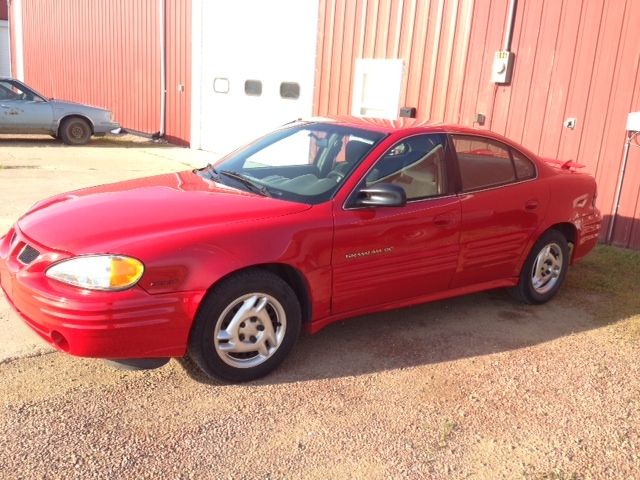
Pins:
x: 250, y: 330
x: 77, y: 131
x: 547, y: 268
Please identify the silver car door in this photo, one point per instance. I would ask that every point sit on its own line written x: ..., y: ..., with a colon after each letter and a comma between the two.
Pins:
x: 23, y: 111
x: 31, y: 116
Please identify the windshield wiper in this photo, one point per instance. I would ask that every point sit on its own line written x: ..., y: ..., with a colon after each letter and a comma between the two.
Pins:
x: 209, y: 172
x: 254, y: 187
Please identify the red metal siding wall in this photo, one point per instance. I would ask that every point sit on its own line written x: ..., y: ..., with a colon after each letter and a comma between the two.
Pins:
x: 108, y: 54
x: 573, y: 59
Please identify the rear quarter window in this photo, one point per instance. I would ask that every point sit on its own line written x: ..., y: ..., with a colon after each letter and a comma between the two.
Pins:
x: 483, y: 163
x: 525, y: 168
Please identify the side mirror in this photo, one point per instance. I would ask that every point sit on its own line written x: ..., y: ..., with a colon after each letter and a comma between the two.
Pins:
x: 381, y: 195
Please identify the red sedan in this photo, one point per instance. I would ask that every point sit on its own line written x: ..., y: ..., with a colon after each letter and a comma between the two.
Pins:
x: 316, y: 222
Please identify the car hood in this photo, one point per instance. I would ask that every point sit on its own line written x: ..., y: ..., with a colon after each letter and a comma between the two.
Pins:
x: 98, y: 219
x: 63, y: 104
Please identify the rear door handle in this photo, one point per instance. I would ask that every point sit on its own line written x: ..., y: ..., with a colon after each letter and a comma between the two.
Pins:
x: 5, y: 106
x: 443, y: 220
x: 531, y: 205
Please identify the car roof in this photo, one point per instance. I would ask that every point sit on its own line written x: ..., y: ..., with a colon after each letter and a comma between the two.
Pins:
x: 421, y: 125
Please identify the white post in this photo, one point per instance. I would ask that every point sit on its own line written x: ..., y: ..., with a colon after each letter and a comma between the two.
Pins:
x: 196, y: 74
x: 18, y: 39
x: 163, y: 75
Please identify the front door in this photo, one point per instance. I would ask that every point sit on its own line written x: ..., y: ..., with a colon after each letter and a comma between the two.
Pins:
x: 23, y: 111
x: 388, y: 254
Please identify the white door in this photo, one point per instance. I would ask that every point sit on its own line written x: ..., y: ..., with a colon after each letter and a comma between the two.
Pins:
x: 257, y: 64
x: 5, y: 55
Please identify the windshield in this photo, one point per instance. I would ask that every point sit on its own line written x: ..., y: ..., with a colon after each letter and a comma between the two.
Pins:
x: 304, y: 163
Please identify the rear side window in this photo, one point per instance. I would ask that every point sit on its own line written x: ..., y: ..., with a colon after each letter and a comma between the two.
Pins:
x: 524, y: 168
x: 486, y: 163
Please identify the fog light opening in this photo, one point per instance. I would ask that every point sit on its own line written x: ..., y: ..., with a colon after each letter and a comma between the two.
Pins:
x: 60, y: 341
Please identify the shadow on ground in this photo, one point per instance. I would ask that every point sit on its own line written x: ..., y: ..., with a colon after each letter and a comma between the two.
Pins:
x: 469, y: 326
x: 46, y: 141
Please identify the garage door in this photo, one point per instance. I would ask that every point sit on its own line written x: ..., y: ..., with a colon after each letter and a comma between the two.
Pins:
x: 257, y: 68
x: 5, y: 59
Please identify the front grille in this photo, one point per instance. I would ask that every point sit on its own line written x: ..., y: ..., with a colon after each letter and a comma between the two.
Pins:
x: 28, y: 255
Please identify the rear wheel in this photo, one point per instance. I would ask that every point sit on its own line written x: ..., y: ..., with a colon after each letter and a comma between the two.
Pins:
x: 75, y: 131
x: 245, y: 327
x: 544, y: 270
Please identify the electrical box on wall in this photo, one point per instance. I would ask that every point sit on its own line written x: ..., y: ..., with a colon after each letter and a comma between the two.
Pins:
x: 502, y: 67
x: 633, y: 122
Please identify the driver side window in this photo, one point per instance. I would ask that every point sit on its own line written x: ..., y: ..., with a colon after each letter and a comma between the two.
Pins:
x: 12, y: 91
x: 417, y: 164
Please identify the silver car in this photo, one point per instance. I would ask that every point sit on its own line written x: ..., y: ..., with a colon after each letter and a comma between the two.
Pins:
x: 23, y: 110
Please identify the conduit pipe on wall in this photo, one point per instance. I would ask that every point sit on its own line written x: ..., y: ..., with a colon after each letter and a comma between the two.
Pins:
x: 616, y: 200
x: 511, y: 20
x: 163, y: 69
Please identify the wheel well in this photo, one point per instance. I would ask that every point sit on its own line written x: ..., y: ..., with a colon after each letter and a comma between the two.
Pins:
x: 293, y: 278
x: 64, y: 119
x: 567, y: 229
x: 570, y: 233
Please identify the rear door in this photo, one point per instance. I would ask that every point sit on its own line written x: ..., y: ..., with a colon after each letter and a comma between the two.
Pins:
x: 389, y: 254
x: 501, y: 205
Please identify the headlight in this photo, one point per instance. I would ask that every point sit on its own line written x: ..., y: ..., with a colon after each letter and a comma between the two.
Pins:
x: 98, y: 272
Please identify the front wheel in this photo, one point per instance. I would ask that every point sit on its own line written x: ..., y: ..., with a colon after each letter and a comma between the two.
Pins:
x: 245, y: 327
x: 544, y: 270
x: 75, y: 131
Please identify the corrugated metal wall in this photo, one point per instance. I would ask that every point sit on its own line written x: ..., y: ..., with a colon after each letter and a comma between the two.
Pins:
x: 573, y: 59
x: 107, y: 53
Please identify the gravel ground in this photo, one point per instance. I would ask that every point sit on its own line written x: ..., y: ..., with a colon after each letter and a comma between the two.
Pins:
x: 476, y: 387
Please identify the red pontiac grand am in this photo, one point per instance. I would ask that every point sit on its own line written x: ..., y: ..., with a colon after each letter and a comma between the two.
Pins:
x: 316, y: 222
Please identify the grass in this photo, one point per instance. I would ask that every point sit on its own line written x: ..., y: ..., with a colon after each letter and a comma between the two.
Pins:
x: 611, y: 276
x: 445, y: 433
x: 559, y: 475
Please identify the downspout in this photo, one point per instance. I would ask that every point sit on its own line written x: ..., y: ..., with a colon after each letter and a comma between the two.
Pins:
x: 163, y: 70
x: 511, y: 20
x: 18, y: 38
x: 616, y: 199
x: 11, y: 40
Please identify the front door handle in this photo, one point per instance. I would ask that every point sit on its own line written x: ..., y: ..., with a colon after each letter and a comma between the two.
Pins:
x: 5, y: 106
x: 531, y: 205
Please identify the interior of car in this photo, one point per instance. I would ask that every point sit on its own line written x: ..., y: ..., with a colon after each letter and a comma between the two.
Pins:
x: 417, y: 165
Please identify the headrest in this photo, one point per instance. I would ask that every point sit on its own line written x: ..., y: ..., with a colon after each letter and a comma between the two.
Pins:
x: 355, y: 150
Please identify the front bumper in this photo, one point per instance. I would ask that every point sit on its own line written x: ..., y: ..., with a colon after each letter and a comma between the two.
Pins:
x: 113, y: 325
x: 105, y: 127
x: 588, y: 233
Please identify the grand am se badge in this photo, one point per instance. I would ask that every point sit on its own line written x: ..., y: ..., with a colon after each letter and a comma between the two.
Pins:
x: 368, y: 253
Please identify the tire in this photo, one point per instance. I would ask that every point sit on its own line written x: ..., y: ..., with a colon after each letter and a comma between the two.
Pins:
x: 75, y: 131
x: 245, y: 327
x: 544, y: 270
